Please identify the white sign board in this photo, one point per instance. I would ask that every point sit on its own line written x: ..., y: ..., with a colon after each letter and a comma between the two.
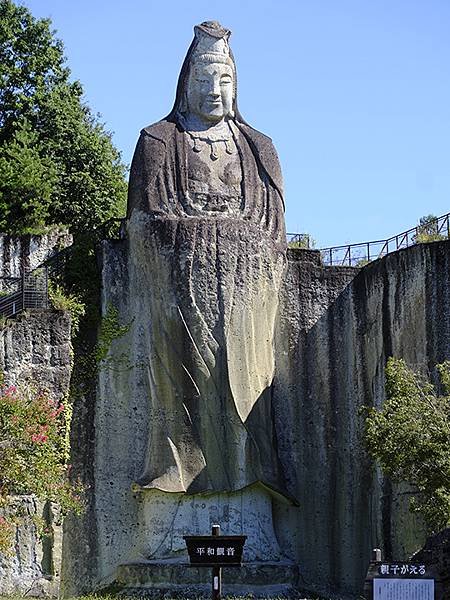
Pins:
x: 403, y: 589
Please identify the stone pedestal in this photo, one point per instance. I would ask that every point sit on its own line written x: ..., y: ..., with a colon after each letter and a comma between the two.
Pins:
x: 166, y: 518
x: 177, y: 577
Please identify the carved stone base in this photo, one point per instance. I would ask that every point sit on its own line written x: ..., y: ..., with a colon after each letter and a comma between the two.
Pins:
x: 165, y: 518
x: 148, y: 578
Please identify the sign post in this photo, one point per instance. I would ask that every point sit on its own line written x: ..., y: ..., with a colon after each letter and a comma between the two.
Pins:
x: 215, y: 551
x: 217, y: 571
x: 398, y: 580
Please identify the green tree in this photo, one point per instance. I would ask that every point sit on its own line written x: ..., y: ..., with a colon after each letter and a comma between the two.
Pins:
x: 410, y: 438
x: 428, y: 231
x: 304, y: 241
x: 57, y: 163
x: 27, y: 180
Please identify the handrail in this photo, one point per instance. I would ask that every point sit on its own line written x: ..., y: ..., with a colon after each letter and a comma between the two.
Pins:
x: 363, y: 252
x: 31, y: 289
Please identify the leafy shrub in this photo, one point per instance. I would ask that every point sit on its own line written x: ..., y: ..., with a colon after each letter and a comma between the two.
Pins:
x: 7, y: 530
x: 427, y: 230
x: 62, y: 300
x: 304, y: 241
x: 33, y: 451
x: 410, y: 438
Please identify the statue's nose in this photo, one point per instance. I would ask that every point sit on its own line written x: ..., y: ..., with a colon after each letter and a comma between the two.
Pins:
x: 215, y: 88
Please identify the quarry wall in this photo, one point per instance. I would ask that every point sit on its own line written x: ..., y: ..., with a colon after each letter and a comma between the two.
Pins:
x: 336, y: 328
x: 35, y: 347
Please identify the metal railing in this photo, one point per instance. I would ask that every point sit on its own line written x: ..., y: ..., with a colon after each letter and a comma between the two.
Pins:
x: 355, y: 255
x: 31, y: 290
x: 28, y: 291
x: 299, y: 240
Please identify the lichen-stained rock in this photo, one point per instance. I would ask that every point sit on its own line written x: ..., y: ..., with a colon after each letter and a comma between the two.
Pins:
x: 205, y: 301
x: 26, y: 252
x: 34, y: 564
x: 337, y: 326
x: 35, y: 346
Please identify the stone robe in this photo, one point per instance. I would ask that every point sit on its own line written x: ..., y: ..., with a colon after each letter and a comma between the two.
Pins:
x: 207, y: 289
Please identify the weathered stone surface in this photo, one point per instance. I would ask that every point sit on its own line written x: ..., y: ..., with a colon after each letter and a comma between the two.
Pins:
x: 35, y: 346
x: 203, y: 354
x: 34, y: 566
x: 259, y: 578
x: 26, y: 252
x: 336, y: 329
x: 152, y: 523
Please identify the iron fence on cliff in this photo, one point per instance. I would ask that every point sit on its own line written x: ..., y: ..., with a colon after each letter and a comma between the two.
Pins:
x: 28, y: 291
x: 357, y: 255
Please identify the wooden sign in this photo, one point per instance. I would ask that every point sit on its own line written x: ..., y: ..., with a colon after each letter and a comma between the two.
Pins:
x: 399, y: 581
x: 215, y: 551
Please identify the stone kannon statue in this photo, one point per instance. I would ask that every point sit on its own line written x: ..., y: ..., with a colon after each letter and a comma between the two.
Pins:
x: 207, y: 246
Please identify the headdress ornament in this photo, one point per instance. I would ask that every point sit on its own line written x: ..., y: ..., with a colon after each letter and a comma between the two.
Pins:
x: 212, y: 43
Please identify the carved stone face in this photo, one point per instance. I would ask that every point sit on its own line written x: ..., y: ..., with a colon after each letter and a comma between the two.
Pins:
x: 210, y: 91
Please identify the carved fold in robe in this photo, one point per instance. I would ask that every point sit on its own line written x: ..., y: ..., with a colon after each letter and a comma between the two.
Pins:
x: 208, y: 299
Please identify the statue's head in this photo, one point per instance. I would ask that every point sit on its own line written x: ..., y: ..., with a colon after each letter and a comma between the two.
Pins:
x: 207, y: 83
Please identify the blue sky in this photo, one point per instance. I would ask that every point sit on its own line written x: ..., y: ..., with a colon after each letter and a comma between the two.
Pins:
x: 354, y: 93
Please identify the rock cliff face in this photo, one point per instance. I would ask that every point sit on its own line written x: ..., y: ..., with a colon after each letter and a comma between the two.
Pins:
x: 337, y: 326
x: 34, y: 346
x: 26, y: 252
x: 335, y: 329
x: 34, y: 567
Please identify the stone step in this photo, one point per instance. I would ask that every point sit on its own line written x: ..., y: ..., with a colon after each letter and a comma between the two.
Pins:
x: 259, y: 578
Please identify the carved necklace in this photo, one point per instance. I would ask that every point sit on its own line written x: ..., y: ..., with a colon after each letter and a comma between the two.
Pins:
x: 216, y: 139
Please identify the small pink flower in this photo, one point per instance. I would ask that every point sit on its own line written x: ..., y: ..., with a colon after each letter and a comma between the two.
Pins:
x: 57, y: 412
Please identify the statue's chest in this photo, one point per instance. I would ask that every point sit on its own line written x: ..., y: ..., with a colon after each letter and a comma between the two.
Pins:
x: 214, y: 175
